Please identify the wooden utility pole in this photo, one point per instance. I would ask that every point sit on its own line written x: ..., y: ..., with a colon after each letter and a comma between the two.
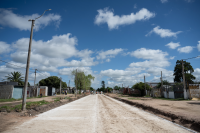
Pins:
x: 76, y: 83
x: 145, y: 85
x: 35, y: 77
x: 183, y: 79
x: 60, y: 84
x: 161, y: 85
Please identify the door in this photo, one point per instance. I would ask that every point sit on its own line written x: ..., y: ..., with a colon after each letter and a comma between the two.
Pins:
x: 42, y: 91
x: 178, y: 91
x: 17, y: 93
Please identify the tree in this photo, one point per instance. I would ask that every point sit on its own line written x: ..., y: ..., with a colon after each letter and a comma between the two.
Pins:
x: 16, y: 77
x: 117, y: 87
x: 83, y: 81
x: 141, y: 86
x: 53, y: 81
x: 109, y: 89
x: 188, y: 70
x: 165, y: 82
x: 103, y: 84
x: 91, y: 89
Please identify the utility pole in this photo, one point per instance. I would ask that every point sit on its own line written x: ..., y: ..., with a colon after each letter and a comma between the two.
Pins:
x: 35, y: 77
x: 76, y: 83
x: 28, y: 62
x: 145, y: 85
x: 27, y: 69
x: 184, y: 80
x: 60, y: 84
x: 161, y: 85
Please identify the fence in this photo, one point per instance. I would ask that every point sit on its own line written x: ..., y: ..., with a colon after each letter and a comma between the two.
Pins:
x: 194, y: 90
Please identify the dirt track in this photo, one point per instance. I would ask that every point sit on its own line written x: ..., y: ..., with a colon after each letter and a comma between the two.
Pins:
x: 96, y: 113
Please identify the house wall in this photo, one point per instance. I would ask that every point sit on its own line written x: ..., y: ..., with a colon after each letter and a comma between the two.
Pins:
x: 17, y: 92
x: 6, y: 91
x: 171, y: 94
x: 46, y: 89
x: 38, y: 91
x: 165, y: 94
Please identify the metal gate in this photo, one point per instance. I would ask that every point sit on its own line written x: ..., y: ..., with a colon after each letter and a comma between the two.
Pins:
x: 178, y: 91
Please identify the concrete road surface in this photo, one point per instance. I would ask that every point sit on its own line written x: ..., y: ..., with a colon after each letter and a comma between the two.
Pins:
x: 96, y: 114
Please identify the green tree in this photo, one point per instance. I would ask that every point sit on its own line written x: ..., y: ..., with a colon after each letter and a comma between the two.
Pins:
x: 53, y: 81
x: 109, y: 89
x: 165, y: 82
x: 92, y: 89
x: 117, y: 87
x: 82, y: 80
x: 102, y: 84
x: 141, y: 86
x: 16, y: 77
x: 188, y: 70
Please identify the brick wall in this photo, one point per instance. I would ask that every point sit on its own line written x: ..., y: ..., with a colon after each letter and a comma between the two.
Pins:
x: 6, y: 91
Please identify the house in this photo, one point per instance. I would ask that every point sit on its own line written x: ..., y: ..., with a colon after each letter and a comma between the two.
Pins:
x: 11, y: 91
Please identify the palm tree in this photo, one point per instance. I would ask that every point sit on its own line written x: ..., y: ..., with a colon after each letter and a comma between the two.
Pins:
x: 15, y: 77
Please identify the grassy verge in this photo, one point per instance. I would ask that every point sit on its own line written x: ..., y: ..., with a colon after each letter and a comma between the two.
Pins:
x: 9, y: 100
x: 28, y: 105
x: 178, y: 99
x: 133, y: 98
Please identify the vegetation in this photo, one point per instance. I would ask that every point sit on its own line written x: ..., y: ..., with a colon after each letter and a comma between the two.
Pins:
x: 141, y: 86
x: 117, y: 87
x: 53, y: 81
x: 16, y: 77
x: 82, y: 80
x: 28, y: 105
x: 92, y: 89
x: 165, y: 82
x: 188, y: 70
x: 102, y: 84
x: 9, y: 100
x: 133, y: 98
x: 109, y: 89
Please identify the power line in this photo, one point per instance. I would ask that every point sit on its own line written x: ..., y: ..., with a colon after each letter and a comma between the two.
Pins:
x: 192, y: 58
x: 13, y: 64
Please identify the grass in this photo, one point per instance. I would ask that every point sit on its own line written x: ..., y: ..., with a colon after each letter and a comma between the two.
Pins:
x: 56, y: 99
x: 132, y: 98
x: 178, y: 99
x: 12, y: 99
x: 28, y: 105
x: 9, y: 100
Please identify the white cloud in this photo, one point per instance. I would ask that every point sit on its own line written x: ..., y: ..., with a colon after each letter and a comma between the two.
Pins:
x: 108, y: 54
x: 186, y: 49
x: 164, y: 1
x: 151, y: 63
x: 163, y: 32
x: 135, y: 6
x: 68, y: 71
x: 118, y: 73
x: 21, y: 21
x: 107, y: 60
x: 172, y: 57
x: 4, y: 47
x: 173, y: 45
x: 149, y: 54
x: 153, y: 58
x: 197, y: 73
x: 198, y: 46
x: 114, y: 21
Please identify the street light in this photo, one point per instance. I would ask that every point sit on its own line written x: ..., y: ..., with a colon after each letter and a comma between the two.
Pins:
x: 28, y: 62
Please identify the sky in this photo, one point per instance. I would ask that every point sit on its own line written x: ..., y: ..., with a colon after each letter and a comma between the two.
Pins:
x: 116, y: 41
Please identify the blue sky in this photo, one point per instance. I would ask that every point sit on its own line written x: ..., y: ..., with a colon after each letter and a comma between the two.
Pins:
x: 115, y: 41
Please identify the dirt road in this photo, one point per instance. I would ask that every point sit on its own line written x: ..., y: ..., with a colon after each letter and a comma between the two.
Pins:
x: 96, y: 114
